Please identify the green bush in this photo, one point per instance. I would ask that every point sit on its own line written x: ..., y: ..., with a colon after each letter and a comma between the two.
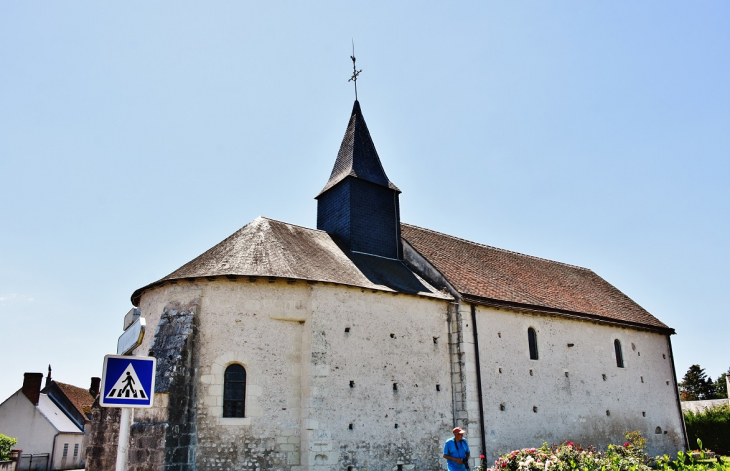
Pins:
x: 688, y: 462
x: 6, y: 444
x: 712, y: 426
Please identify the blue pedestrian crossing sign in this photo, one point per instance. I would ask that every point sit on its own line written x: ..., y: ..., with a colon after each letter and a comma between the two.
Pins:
x: 127, y: 381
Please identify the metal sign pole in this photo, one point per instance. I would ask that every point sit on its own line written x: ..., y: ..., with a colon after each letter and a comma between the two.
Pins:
x: 123, y: 439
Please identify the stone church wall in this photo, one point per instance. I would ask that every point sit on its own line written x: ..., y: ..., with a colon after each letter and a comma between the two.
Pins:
x: 395, y: 351
x: 292, y: 340
x: 162, y: 437
x: 574, y: 391
x: 331, y: 370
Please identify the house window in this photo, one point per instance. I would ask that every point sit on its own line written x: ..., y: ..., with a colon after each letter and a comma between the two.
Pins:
x: 234, y: 391
x: 76, y: 450
x: 65, y: 450
x: 532, y: 339
x: 619, y: 354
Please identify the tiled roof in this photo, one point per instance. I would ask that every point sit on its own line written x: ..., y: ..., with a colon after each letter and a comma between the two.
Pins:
x: 513, y: 279
x: 357, y: 156
x: 269, y: 248
x: 81, y: 398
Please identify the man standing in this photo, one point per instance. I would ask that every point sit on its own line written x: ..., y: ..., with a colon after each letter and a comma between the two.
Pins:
x: 456, y: 451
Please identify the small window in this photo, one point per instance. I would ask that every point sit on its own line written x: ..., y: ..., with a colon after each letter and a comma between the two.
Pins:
x: 532, y: 339
x: 234, y: 392
x: 65, y: 450
x: 619, y: 354
x: 76, y: 450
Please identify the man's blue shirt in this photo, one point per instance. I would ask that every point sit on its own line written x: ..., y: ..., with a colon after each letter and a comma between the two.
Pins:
x: 456, y: 450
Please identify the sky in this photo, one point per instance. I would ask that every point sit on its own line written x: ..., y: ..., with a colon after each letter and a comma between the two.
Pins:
x: 136, y: 135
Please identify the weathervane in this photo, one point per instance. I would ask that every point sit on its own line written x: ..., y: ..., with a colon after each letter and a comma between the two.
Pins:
x: 355, y: 72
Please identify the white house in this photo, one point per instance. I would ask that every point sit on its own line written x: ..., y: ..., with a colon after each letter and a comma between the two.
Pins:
x: 48, y: 424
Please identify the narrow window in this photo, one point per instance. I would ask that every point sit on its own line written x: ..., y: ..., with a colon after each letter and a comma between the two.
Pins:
x: 532, y: 339
x: 76, y: 450
x: 65, y: 450
x: 234, y: 392
x: 619, y: 354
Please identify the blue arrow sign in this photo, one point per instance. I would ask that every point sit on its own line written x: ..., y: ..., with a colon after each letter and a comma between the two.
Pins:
x: 127, y: 381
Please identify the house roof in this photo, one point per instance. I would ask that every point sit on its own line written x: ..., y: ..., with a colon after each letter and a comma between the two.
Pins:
x: 502, y: 277
x: 56, y: 416
x: 79, y: 397
x: 357, y: 156
x: 270, y: 248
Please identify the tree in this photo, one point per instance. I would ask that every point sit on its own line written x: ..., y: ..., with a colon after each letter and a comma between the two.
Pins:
x: 696, y: 385
x: 721, y: 385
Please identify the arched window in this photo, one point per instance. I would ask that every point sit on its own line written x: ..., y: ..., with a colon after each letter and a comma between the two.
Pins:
x: 532, y: 339
x: 234, y: 392
x: 619, y: 354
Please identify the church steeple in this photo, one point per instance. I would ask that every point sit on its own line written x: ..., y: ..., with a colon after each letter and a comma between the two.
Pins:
x: 357, y: 156
x: 359, y: 204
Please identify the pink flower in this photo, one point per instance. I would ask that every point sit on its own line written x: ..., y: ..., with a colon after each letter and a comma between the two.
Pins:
x: 626, y: 444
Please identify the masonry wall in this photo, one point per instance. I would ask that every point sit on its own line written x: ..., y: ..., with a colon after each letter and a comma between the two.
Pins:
x: 291, y: 339
x: 303, y: 344
x: 574, y: 392
x: 392, y: 340
x: 103, y: 437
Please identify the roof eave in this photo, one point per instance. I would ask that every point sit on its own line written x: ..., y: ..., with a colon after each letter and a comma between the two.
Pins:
x: 565, y: 313
x: 137, y: 295
x: 334, y: 182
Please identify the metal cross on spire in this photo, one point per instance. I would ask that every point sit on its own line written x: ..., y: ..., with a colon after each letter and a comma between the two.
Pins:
x: 355, y: 72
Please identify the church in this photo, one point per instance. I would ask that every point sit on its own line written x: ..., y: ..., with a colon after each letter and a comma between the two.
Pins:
x: 360, y: 344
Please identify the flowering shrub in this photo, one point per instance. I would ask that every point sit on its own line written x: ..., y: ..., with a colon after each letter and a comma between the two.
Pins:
x: 571, y: 456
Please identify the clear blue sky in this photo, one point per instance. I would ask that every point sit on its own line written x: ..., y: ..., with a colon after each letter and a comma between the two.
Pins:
x: 136, y: 135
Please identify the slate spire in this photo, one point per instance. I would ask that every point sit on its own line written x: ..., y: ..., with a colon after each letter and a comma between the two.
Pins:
x: 357, y: 156
x: 359, y: 204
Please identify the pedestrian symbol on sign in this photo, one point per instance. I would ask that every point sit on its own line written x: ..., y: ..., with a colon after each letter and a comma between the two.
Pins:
x: 127, y: 381
x: 127, y: 386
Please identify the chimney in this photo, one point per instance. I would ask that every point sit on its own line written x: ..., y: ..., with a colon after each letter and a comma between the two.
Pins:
x: 94, y: 388
x: 32, y: 386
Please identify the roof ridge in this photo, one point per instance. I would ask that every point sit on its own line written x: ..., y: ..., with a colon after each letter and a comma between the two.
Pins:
x: 288, y: 223
x: 497, y: 248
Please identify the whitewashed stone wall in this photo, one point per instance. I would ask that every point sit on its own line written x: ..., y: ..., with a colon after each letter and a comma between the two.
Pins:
x: 291, y: 338
x: 303, y: 344
x: 574, y: 392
